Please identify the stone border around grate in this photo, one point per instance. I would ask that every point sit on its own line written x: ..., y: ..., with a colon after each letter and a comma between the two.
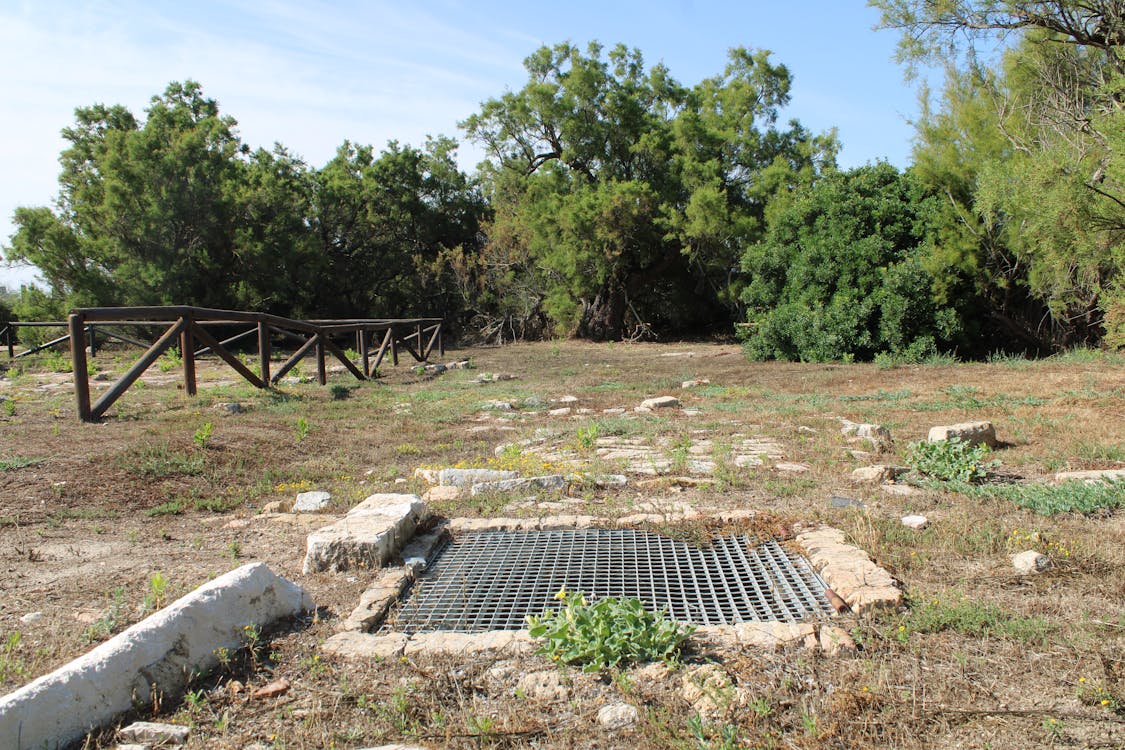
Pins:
x: 855, y: 582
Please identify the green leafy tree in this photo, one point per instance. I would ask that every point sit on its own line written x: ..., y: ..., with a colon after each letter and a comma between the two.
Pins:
x: 382, y: 222
x: 171, y: 211
x: 1047, y: 199
x: 622, y: 198
x: 840, y: 272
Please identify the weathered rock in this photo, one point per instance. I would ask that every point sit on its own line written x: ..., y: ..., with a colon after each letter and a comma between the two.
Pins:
x: 546, y: 687
x: 508, y: 642
x: 152, y: 733
x: 835, y: 501
x: 494, y: 377
x: 429, y: 476
x: 695, y: 383
x: 562, y: 411
x: 876, y: 474
x: 31, y: 618
x: 709, y: 690
x: 792, y: 468
x: 549, y: 482
x: 565, y: 400
x: 1031, y: 561
x: 901, y: 490
x: 396, y: 746
x: 973, y: 433
x: 834, y: 640
x: 156, y: 655
x: 271, y: 689
x: 497, y: 405
x: 469, y: 477
x: 876, y: 434
x: 661, y: 402
x: 618, y: 715
x: 915, y: 522
x: 312, y: 502
x: 231, y: 407
x: 1097, y: 475
x: 377, y: 600
x: 369, y: 535
x: 849, y: 570
x: 356, y: 646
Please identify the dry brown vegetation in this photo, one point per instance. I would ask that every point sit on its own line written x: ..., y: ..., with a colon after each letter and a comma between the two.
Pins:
x: 983, y: 657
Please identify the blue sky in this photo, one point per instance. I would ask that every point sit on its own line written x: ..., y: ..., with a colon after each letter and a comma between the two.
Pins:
x: 311, y: 74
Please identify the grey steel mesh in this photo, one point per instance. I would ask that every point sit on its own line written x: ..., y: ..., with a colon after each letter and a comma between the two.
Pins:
x: 494, y: 580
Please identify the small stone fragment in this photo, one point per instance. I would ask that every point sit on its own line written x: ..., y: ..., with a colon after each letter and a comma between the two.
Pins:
x: 31, y: 617
x: 915, y: 522
x: 562, y: 411
x: 232, y: 407
x: 875, y: 474
x: 272, y: 689
x: 834, y: 640
x: 1030, y: 561
x: 835, y: 501
x: 617, y: 715
x: 973, y: 433
x: 152, y: 733
x: 441, y: 494
x: 497, y: 405
x: 694, y: 383
x: 565, y: 399
x: 365, y: 646
x: 311, y: 502
x: 790, y: 467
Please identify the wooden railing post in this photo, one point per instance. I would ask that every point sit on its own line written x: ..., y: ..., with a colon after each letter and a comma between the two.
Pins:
x: 77, y: 325
x: 10, y: 334
x: 321, y: 370
x: 364, y: 352
x: 187, y: 354
x: 264, y: 350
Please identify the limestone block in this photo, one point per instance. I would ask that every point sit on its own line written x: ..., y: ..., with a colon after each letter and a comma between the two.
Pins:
x: 549, y: 482
x: 365, y: 646
x: 469, y: 477
x: 311, y: 502
x: 441, y: 494
x: 162, y: 650
x: 429, y: 476
x: 915, y: 522
x: 661, y: 402
x: 368, y: 536
x: 973, y: 433
x: 1098, y: 475
x: 834, y: 640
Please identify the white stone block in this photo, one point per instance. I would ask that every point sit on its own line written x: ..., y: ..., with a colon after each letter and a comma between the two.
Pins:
x: 162, y: 650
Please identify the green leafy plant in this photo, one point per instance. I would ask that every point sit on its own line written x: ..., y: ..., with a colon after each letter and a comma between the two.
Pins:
x: 11, y: 662
x: 302, y: 429
x: 8, y: 406
x: 340, y: 392
x: 971, y: 618
x: 157, y: 591
x: 608, y: 633
x: 203, y: 434
x: 950, y: 460
x: 111, y: 621
x: 587, y: 436
x: 170, y: 360
x: 18, y: 462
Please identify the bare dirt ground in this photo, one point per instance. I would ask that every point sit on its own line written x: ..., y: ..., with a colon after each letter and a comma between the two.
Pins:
x: 982, y: 656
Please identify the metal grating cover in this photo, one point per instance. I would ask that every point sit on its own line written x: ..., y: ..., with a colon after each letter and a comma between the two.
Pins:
x: 493, y: 580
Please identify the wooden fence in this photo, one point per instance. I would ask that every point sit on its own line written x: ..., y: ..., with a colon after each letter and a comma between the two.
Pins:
x: 374, y: 339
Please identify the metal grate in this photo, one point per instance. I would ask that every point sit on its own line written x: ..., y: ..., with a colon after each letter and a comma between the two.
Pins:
x: 494, y: 580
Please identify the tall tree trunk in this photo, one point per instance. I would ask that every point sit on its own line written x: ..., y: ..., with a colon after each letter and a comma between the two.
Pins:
x: 603, y: 319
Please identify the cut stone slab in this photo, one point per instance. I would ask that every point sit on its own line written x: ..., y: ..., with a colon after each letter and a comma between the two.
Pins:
x: 973, y: 433
x: 1031, y: 561
x: 163, y: 650
x: 311, y: 502
x: 791, y: 467
x: 876, y: 434
x: 356, y: 646
x: 469, y: 477
x: 562, y: 411
x: 549, y: 482
x: 152, y: 733
x: 835, y: 501
x: 1097, y: 475
x: 849, y: 571
x: 694, y: 383
x: 441, y: 494
x: 661, y: 402
x: 368, y: 536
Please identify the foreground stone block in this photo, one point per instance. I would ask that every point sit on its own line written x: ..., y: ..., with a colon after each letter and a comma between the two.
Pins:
x: 311, y: 502
x: 356, y: 646
x: 162, y: 650
x: 368, y: 536
x: 876, y: 474
x: 469, y: 477
x: 1031, y: 561
x: 849, y: 571
x: 661, y: 402
x: 151, y: 733
x: 973, y: 433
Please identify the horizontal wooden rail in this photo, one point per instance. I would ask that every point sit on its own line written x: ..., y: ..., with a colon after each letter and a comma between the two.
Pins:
x: 186, y: 325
